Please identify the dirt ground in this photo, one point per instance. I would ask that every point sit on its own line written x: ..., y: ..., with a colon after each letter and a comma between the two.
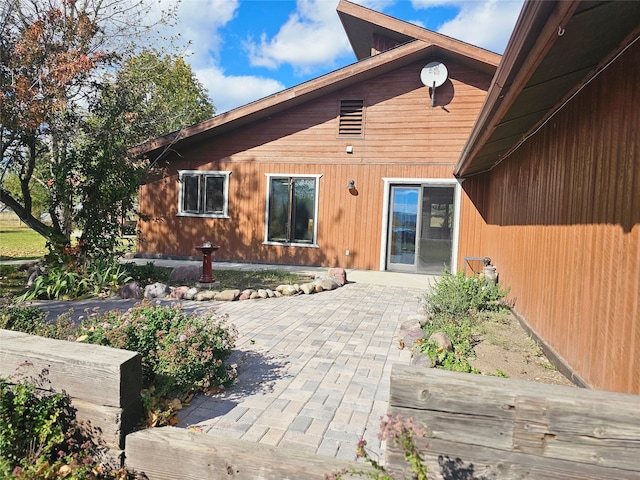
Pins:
x: 504, y: 346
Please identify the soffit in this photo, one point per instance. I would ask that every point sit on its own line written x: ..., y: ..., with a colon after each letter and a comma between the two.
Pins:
x: 559, y: 46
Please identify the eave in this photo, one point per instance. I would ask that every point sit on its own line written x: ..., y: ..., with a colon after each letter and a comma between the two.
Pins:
x: 555, y: 48
x: 360, y: 24
x: 297, y: 95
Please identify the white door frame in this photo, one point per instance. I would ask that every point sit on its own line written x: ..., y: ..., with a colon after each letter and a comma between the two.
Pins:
x: 384, y: 234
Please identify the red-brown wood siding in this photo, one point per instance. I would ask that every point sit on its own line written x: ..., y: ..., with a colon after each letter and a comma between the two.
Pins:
x: 403, y: 137
x: 561, y: 221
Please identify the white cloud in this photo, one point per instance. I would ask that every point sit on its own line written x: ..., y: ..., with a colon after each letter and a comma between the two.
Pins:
x: 311, y: 38
x: 484, y: 23
x: 228, y: 92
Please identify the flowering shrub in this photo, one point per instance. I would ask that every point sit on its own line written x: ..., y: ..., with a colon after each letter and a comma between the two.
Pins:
x: 180, y: 352
x: 400, y: 432
x: 39, y: 437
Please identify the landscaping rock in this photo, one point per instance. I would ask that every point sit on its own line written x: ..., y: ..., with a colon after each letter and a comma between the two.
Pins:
x: 422, y: 360
x: 205, y: 295
x: 420, y: 319
x: 340, y: 274
x: 191, y: 293
x: 286, y: 290
x: 131, y: 290
x: 443, y: 342
x: 327, y: 282
x: 308, y: 288
x: 227, y: 295
x: 186, y: 273
x: 246, y: 294
x: 254, y: 295
x: 270, y: 293
x: 156, y: 290
x: 411, y: 336
x: 262, y: 293
x: 179, y: 292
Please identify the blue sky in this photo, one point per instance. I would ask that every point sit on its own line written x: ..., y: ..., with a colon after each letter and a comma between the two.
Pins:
x: 244, y: 50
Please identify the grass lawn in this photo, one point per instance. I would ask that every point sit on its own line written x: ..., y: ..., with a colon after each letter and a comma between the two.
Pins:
x: 19, y: 242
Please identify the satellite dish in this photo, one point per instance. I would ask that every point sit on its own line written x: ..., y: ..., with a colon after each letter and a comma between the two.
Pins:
x: 433, y: 75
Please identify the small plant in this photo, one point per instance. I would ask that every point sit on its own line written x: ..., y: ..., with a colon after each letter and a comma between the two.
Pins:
x: 39, y: 437
x: 400, y: 432
x: 458, y: 295
x: 31, y: 320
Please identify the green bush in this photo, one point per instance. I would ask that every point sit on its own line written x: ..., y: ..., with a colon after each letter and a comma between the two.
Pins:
x: 31, y: 320
x: 38, y: 434
x: 180, y: 352
x: 458, y: 295
x: 146, y: 274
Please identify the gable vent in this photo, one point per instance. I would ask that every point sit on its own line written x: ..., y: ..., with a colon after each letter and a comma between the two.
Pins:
x: 351, y: 114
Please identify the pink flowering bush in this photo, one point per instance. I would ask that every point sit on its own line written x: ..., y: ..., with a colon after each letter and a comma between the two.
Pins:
x: 180, y: 352
x: 399, y: 432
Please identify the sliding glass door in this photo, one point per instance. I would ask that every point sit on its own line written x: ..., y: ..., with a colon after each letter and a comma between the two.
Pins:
x: 421, y: 219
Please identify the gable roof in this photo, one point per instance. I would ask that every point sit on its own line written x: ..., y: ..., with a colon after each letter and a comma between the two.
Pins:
x: 555, y: 48
x: 417, y: 43
x: 361, y: 24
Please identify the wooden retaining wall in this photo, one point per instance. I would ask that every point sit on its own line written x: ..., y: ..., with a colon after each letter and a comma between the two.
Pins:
x: 104, y: 383
x: 169, y: 453
x: 490, y: 427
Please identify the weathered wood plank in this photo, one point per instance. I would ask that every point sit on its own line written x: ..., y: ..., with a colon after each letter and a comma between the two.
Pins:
x: 168, y: 453
x: 93, y: 373
x: 453, y: 461
x: 592, y: 428
x: 108, y: 426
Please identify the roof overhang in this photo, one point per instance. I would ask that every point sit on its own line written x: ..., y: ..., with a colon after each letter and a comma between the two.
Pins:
x: 369, y: 68
x: 556, y: 46
x: 360, y: 25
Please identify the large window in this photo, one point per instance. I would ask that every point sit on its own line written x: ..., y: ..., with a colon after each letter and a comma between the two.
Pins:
x: 203, y: 193
x: 292, y: 209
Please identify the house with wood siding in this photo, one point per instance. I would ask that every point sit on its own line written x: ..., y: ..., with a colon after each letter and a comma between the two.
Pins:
x: 552, y: 173
x: 533, y: 164
x: 269, y: 182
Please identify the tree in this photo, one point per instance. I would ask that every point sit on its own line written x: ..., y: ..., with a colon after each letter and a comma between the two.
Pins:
x: 69, y: 110
x: 149, y: 96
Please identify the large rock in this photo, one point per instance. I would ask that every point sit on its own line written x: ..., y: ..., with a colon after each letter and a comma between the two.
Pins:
x: 262, y: 293
x: 340, y: 274
x: 227, y: 295
x: 205, y: 295
x: 286, y: 290
x: 186, y: 274
x: 179, y: 292
x: 131, y: 290
x: 326, y: 282
x: 191, y: 293
x: 411, y: 336
x: 442, y: 341
x: 156, y: 290
x: 308, y: 288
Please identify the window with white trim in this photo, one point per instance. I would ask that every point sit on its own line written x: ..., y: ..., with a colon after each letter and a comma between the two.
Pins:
x: 203, y: 193
x: 292, y: 209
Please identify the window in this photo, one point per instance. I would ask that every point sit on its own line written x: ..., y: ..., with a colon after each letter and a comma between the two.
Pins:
x: 203, y: 193
x: 292, y: 209
x: 351, y: 115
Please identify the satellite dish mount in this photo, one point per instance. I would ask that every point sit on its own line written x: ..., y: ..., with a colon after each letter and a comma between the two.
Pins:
x: 433, y: 75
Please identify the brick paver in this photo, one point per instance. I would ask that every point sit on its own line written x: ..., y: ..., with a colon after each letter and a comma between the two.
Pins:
x: 313, y: 370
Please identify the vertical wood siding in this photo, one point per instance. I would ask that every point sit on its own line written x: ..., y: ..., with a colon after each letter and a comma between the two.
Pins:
x: 561, y: 220
x: 403, y: 137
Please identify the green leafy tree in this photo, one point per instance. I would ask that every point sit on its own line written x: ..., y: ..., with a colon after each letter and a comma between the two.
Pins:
x: 73, y: 98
